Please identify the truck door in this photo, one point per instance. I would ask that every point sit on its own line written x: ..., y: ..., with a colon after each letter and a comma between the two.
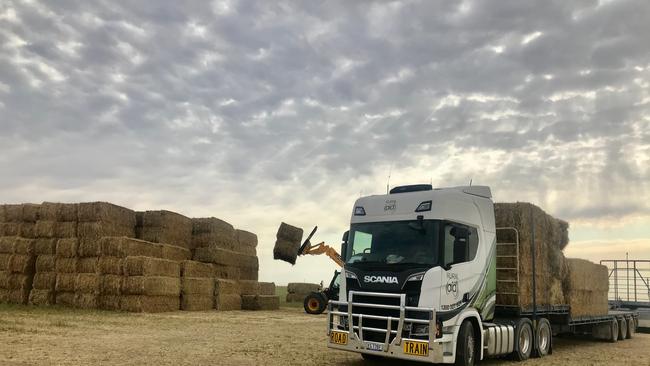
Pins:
x: 460, y: 279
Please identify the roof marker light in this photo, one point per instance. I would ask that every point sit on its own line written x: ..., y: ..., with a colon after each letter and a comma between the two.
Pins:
x: 359, y: 211
x: 424, y: 206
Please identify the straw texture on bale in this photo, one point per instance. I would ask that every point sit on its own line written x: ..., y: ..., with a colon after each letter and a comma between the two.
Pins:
x: 4, y: 261
x: 43, y: 246
x: 14, y: 296
x: 286, y: 250
x: 151, y: 286
x: 111, y: 284
x: 89, y: 283
x: 88, y: 265
x: 9, y: 229
x: 111, y: 265
x: 227, y: 302
x: 217, y: 256
x: 30, y: 212
x: 228, y: 272
x: 125, y: 247
x: 194, y: 302
x: 149, y: 304
x: 196, y: 269
x: 249, y: 287
x: 226, y: 287
x: 27, y: 230
x: 13, y: 212
x: 212, y: 232
x: 105, y: 212
x: 42, y: 297
x: 260, y: 302
x: 302, y: 288
x: 67, y: 248
x: 44, y: 281
x: 54, y: 229
x: 61, y: 212
x: 65, y: 282
x: 166, y: 227
x: 46, y: 263
x: 24, y: 246
x: 96, y: 230
x: 86, y: 300
x: 246, y: 238
x: 146, y: 266
x: 66, y: 265
x: 20, y: 263
x: 65, y: 298
x: 586, y: 288
x: 90, y: 248
x: 110, y: 302
x: 248, y: 274
x: 197, y: 286
x: 549, y: 260
x: 7, y: 244
x: 175, y: 253
x: 15, y: 281
x: 267, y: 288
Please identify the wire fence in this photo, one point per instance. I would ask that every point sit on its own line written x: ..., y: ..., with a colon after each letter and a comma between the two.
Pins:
x: 629, y: 280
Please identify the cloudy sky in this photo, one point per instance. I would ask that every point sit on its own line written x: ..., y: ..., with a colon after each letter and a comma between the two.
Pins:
x: 268, y: 111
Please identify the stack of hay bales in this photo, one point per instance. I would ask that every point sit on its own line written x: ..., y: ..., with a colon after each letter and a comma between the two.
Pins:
x: 150, y: 285
x: 43, y: 288
x: 288, y: 243
x: 258, y: 295
x: 296, y: 292
x: 86, y: 255
x: 227, y: 295
x: 586, y: 288
x: 17, y: 268
x: 552, y: 272
x: 197, y: 286
x: 164, y: 227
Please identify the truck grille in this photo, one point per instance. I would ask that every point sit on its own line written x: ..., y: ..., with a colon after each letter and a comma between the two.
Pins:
x: 369, y: 322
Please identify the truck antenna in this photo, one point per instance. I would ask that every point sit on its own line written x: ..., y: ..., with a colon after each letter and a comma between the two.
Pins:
x: 470, y: 182
x: 390, y: 169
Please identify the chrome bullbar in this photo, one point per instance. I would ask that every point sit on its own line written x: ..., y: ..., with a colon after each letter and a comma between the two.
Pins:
x: 352, y: 321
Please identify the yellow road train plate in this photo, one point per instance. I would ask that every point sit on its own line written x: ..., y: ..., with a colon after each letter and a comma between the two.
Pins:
x: 339, y: 338
x: 416, y: 348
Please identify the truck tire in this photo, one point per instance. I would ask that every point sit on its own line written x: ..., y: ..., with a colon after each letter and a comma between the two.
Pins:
x: 631, y: 328
x: 622, y: 329
x: 315, y: 303
x: 613, y: 331
x: 543, y: 338
x: 523, y: 339
x: 466, y: 350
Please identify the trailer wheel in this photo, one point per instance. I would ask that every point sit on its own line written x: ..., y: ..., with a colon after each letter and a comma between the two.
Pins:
x: 315, y: 303
x: 523, y: 339
x: 613, y: 331
x: 466, y: 346
x: 631, y: 329
x: 622, y: 329
x: 544, y: 338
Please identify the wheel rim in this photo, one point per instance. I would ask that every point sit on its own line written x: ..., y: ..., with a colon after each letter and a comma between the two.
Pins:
x: 524, y: 340
x: 470, y: 350
x: 544, y: 336
x: 313, y: 304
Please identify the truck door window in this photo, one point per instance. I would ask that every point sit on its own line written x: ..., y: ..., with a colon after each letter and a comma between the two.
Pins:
x: 460, y: 243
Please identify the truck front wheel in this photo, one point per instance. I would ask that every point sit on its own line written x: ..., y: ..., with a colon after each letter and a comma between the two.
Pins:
x: 466, y: 345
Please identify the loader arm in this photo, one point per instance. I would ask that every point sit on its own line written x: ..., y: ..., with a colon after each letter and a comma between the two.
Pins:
x: 323, y: 248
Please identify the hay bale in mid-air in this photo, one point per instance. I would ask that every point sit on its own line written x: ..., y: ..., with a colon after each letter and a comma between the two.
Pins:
x: 288, y: 243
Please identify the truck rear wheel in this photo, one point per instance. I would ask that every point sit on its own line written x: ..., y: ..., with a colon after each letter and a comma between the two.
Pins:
x: 613, y: 330
x: 315, y: 303
x: 523, y: 339
x: 544, y: 338
x: 631, y: 328
x: 622, y: 329
x: 466, y: 346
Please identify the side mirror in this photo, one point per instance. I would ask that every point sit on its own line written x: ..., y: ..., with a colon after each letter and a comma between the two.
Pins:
x: 344, y: 250
x: 346, y: 236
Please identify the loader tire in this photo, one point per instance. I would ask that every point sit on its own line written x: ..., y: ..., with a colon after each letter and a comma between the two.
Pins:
x: 315, y: 303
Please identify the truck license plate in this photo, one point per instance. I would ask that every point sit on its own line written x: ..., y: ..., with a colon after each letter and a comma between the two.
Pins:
x: 416, y: 348
x: 374, y: 346
x: 339, y: 338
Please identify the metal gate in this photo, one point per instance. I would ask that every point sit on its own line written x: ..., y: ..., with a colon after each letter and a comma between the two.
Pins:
x: 629, y: 282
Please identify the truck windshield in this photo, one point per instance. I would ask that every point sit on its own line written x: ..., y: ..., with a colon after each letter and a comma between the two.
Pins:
x: 395, y: 242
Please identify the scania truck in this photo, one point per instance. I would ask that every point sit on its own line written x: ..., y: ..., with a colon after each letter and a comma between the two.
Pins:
x: 418, y: 283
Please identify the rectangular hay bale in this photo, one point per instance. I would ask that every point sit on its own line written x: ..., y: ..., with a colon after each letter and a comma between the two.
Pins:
x: 86, y: 300
x: 44, y: 246
x: 227, y: 302
x: 88, y: 265
x: 88, y: 283
x: 195, y: 302
x: 197, y: 269
x: 147, y: 266
x: 150, y: 304
x: 67, y: 248
x: 111, y: 284
x: 111, y: 265
x: 152, y: 286
x: 42, y: 297
x: 66, y: 265
x: 65, y: 282
x: 125, y: 247
x: 110, y: 302
x: 45, y: 281
x: 105, y: 212
x: 175, y: 253
x: 226, y: 287
x: 9, y: 229
x: 45, y: 263
x: 23, y: 264
x: 61, y: 212
x: 249, y: 287
x: 65, y: 298
x: 260, y: 302
x: 267, y: 288
x: 197, y: 286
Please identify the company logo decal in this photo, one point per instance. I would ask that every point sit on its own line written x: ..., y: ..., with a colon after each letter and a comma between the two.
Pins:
x: 452, y: 285
x: 380, y: 279
x: 390, y: 206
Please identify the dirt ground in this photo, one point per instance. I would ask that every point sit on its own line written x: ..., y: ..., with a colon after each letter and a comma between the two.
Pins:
x: 58, y: 336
